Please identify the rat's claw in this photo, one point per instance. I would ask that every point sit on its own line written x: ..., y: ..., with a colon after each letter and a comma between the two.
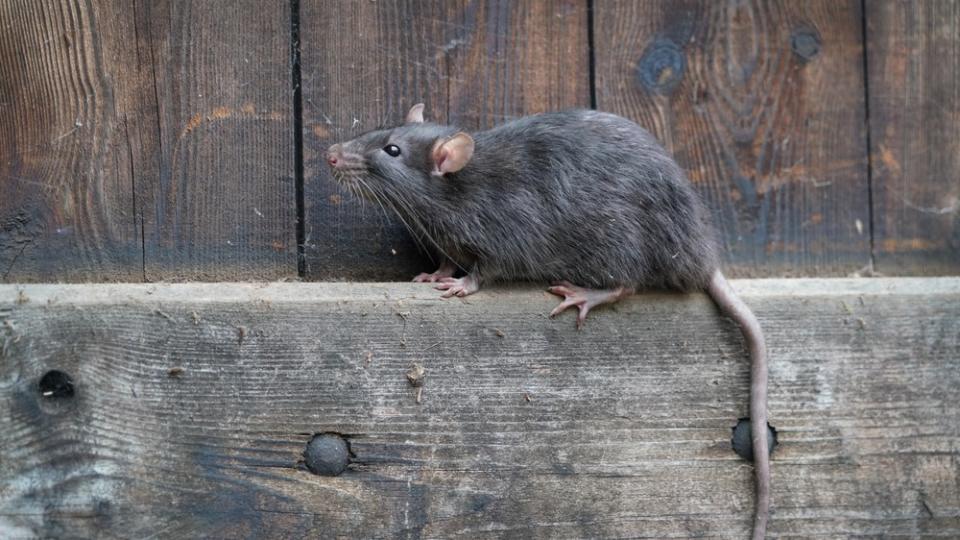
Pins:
x: 584, y: 299
x: 445, y: 271
x: 426, y: 278
x: 562, y: 290
x: 562, y: 306
x: 457, y: 286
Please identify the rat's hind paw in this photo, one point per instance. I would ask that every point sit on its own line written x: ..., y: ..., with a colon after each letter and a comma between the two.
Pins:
x: 457, y: 286
x: 584, y: 299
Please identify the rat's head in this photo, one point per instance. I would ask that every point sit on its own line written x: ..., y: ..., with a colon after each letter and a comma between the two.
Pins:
x: 411, y: 160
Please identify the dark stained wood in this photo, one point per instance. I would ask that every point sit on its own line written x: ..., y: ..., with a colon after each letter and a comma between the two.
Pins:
x: 70, y: 140
x: 762, y: 103
x: 225, y: 204
x: 473, y: 63
x: 526, y: 426
x: 146, y: 140
x: 913, y: 52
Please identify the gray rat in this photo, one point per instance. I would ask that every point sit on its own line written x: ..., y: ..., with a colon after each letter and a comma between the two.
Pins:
x: 586, y: 200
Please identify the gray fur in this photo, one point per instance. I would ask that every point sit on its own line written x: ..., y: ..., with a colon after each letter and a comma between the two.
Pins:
x: 580, y: 195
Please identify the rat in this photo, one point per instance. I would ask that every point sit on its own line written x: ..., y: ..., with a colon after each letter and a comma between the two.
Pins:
x: 586, y: 200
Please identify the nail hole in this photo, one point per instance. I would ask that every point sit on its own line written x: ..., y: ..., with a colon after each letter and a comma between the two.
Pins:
x: 56, y: 384
x: 742, y: 441
x: 327, y: 454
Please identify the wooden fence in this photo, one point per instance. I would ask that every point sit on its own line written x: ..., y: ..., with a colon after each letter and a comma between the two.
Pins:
x: 143, y: 141
x: 148, y: 140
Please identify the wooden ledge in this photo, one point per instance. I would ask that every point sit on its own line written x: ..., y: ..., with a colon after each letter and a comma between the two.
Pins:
x: 184, y: 410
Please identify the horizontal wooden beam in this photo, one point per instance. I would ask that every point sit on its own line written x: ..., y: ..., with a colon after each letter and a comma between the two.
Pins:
x: 184, y: 411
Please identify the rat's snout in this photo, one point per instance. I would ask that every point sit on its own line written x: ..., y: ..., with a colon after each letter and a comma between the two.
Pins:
x: 335, y: 155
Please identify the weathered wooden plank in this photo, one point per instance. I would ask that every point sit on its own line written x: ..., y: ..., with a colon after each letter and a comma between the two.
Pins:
x: 146, y: 140
x: 225, y: 203
x: 473, y: 63
x: 70, y: 134
x: 913, y: 51
x: 526, y: 427
x: 763, y: 105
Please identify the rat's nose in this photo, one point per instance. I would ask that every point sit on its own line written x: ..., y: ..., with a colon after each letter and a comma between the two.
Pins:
x: 334, y: 155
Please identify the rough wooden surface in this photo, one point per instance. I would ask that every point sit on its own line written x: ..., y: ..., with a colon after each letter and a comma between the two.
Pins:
x: 69, y: 141
x: 526, y: 427
x: 146, y: 140
x: 154, y: 140
x: 475, y: 64
x: 225, y: 204
x: 913, y: 52
x: 763, y: 104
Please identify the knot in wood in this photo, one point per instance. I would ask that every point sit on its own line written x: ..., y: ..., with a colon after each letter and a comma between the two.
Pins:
x: 327, y: 454
x: 805, y: 43
x: 661, y: 67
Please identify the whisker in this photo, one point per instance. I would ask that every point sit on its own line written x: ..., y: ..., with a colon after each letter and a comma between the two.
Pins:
x: 376, y: 197
x: 418, y: 221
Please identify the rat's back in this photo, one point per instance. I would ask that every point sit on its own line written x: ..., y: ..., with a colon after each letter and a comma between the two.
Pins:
x: 588, y: 197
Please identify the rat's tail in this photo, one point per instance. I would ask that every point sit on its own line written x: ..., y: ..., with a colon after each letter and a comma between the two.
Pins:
x: 730, y: 303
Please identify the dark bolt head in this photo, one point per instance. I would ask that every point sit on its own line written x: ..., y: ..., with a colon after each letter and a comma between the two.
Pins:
x: 743, y: 442
x: 327, y: 454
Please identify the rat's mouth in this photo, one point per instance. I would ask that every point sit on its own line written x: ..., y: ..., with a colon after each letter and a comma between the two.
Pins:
x: 352, y: 178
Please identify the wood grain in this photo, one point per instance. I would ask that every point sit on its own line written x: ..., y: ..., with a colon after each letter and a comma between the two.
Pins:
x: 763, y: 104
x: 475, y: 64
x: 70, y: 141
x: 146, y: 140
x: 225, y: 203
x: 526, y: 426
x: 913, y: 52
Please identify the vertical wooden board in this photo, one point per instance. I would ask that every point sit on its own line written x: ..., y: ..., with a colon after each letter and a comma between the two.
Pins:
x: 511, y: 59
x: 763, y: 104
x: 362, y: 69
x: 225, y: 203
x: 913, y: 59
x: 72, y: 142
x: 472, y: 63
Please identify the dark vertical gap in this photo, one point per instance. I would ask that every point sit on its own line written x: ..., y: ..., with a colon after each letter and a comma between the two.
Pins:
x: 593, y: 61
x: 866, y: 115
x: 298, y: 135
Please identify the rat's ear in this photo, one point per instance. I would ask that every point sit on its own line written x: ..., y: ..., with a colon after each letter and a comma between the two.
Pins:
x: 452, y: 154
x: 415, y: 116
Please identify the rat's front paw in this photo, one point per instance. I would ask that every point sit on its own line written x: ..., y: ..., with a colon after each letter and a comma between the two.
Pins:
x: 446, y: 270
x: 457, y: 286
x: 424, y: 277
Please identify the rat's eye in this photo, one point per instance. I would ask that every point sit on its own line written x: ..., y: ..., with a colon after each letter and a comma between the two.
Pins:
x: 392, y: 149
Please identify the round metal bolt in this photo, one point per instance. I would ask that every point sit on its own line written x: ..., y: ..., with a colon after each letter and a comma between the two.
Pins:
x: 327, y: 454
x: 743, y: 443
